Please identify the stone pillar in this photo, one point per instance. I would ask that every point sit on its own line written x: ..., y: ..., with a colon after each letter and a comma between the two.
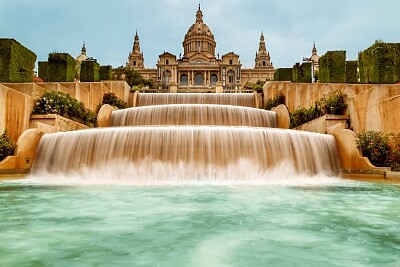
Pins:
x: 219, y: 88
x: 173, y: 88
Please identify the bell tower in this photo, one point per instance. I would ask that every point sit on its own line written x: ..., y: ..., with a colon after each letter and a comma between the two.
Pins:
x: 135, y: 58
x: 263, y: 59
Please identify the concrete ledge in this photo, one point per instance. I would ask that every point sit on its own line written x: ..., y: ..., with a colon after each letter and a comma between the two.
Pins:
x: 321, y: 124
x: 349, y: 155
x: 382, y: 175
x: 104, y: 116
x: 57, y: 123
x: 282, y: 117
x: 24, y: 154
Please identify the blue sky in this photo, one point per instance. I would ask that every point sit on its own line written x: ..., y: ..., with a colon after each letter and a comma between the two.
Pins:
x: 108, y: 27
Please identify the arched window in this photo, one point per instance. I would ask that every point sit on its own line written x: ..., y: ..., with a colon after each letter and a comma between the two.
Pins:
x: 198, y: 79
x: 167, y: 62
x: 231, y: 76
x: 213, y: 79
x: 134, y: 63
x: 230, y: 61
x: 166, y: 77
x: 264, y: 63
x: 184, y: 79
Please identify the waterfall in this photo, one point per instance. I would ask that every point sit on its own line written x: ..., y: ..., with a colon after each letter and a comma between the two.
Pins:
x: 187, y: 138
x: 151, y: 99
x: 194, y: 114
x: 187, y: 153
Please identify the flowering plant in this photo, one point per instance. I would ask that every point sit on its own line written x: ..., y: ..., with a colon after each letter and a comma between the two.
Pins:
x: 64, y: 105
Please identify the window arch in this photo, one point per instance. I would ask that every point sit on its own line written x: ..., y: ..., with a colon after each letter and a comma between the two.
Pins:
x: 184, y: 79
x: 198, y: 79
x: 213, y: 79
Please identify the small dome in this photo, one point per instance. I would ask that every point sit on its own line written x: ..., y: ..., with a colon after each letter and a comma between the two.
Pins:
x: 82, y: 56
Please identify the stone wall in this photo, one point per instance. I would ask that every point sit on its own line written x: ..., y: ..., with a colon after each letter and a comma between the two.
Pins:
x: 390, y: 118
x: 16, y: 100
x: 15, y: 111
x: 371, y: 107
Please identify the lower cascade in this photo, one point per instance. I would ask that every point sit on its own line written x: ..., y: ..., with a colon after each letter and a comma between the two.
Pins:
x: 195, y: 153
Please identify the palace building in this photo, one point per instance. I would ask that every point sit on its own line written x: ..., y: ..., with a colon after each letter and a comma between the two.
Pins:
x: 199, y: 67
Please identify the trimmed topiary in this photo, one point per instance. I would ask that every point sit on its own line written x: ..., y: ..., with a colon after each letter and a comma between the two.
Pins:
x: 16, y: 62
x: 61, y: 67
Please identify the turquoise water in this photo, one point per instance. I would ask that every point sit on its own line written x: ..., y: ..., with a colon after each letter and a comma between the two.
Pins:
x: 334, y: 224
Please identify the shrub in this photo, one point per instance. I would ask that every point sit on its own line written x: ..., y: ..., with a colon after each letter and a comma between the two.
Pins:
x: 112, y: 100
x: 303, y: 115
x: 276, y: 101
x: 283, y: 74
x: 7, y: 146
x: 332, y: 67
x: 375, y: 146
x: 16, y: 62
x: 66, y: 106
x: 105, y: 73
x: 302, y: 73
x: 61, y: 67
x: 89, y: 71
x: 334, y: 103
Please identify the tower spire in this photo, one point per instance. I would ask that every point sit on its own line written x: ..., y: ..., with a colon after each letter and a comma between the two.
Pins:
x: 314, y: 50
x: 199, y: 15
x: 83, y: 49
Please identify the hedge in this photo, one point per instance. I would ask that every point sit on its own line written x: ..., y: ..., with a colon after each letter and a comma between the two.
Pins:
x: 351, y: 72
x: 61, y: 67
x: 380, y: 63
x: 283, y: 74
x: 302, y: 73
x: 105, y: 73
x: 16, y: 62
x: 42, y: 70
x: 332, y: 67
x: 90, y: 71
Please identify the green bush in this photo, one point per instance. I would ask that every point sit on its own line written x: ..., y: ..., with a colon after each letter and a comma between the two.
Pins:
x: 380, y: 63
x: 105, y: 73
x: 283, y: 74
x: 334, y: 103
x: 113, y: 100
x: 89, y: 71
x: 61, y: 67
x: 303, y: 115
x: 301, y: 73
x: 7, y: 146
x: 64, y: 105
x: 42, y: 70
x: 276, y: 101
x: 375, y: 146
x: 332, y: 67
x: 351, y: 72
x: 16, y: 62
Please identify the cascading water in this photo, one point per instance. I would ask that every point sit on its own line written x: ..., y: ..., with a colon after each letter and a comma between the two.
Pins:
x: 152, y: 99
x: 194, y: 114
x: 185, y: 154
x: 184, y: 143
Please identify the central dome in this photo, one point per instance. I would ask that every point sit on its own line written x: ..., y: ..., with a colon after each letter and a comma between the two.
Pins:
x: 199, y: 27
x: 199, y: 39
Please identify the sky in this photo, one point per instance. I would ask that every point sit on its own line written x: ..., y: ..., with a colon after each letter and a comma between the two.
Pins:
x: 108, y: 27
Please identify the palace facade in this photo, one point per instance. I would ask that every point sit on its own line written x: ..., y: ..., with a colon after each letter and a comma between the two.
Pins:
x: 199, y: 67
